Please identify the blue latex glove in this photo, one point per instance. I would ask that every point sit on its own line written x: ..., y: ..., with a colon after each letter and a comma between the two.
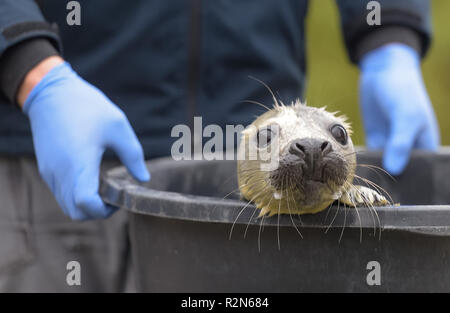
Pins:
x: 398, y: 115
x: 72, y: 123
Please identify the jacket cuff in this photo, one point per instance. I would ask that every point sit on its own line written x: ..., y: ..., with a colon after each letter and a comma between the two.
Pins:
x: 385, y: 35
x: 18, y: 60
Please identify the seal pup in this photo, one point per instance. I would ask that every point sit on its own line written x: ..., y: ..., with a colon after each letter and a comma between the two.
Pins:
x: 315, y: 164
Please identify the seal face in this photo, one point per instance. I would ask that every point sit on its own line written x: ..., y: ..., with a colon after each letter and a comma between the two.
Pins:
x: 314, y: 166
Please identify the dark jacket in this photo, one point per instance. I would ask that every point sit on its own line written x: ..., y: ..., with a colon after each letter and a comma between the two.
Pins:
x: 165, y: 61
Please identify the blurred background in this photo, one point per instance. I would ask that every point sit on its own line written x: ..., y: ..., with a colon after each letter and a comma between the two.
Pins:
x: 333, y: 80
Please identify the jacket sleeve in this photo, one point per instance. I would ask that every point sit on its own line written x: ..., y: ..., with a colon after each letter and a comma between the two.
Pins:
x: 25, y: 40
x: 404, y: 21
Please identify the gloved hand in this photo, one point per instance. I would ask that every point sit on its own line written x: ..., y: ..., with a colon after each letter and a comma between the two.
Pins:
x: 397, y: 112
x: 72, y: 123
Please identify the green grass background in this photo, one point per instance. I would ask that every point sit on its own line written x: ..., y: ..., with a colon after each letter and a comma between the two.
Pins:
x: 333, y: 81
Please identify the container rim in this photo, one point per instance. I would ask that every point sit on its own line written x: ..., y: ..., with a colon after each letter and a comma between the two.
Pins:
x: 120, y: 190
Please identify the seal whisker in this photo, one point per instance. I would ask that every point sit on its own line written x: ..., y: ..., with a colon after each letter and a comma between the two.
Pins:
x: 374, y: 214
x: 328, y: 212
x: 369, y: 168
x: 373, y: 211
x: 246, y: 184
x: 335, y: 215
x: 292, y: 197
x: 366, y: 203
x: 233, y: 191
x: 374, y: 168
x: 357, y: 213
x: 280, y: 98
x: 376, y: 187
x: 370, y: 206
x: 299, y: 219
x: 261, y: 225
x: 345, y: 222
x: 240, y: 212
x: 278, y: 223
x: 349, y: 154
x: 290, y: 213
x: 227, y: 195
x: 249, y: 185
x: 379, y: 222
x: 360, y: 225
x: 258, y: 103
x: 230, y: 193
x: 374, y: 222
x: 229, y: 178
x: 268, y: 88
x: 248, y: 224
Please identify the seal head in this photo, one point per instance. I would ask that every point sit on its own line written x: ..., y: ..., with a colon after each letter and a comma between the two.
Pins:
x: 311, y: 156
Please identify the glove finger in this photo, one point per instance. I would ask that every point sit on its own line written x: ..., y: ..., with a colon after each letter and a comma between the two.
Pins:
x: 92, y: 206
x: 77, y: 214
x: 130, y: 152
x: 86, y: 199
x: 374, y: 121
x: 375, y: 140
x: 398, y: 148
x: 429, y: 138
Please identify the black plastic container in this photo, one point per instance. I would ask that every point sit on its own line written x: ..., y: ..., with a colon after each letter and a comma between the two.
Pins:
x: 180, y: 228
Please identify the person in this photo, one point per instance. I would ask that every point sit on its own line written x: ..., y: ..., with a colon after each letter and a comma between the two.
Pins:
x: 122, y: 78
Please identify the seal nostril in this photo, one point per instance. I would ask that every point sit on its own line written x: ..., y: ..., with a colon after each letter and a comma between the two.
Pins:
x: 300, y: 147
x: 325, y: 147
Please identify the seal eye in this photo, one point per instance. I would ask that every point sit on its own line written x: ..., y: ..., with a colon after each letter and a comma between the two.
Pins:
x: 339, y: 133
x: 264, y: 137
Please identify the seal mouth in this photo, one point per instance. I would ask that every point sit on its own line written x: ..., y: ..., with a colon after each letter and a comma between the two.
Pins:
x: 310, y: 177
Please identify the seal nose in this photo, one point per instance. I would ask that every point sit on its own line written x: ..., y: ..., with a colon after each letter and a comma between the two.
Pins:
x: 310, y: 148
x: 311, y: 151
